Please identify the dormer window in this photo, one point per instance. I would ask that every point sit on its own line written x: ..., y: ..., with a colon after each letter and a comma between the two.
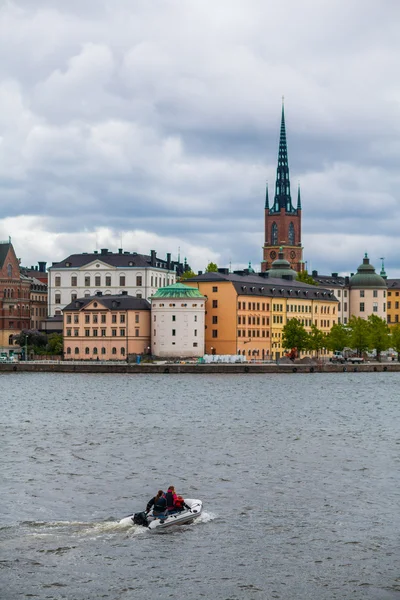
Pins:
x: 67, y: 264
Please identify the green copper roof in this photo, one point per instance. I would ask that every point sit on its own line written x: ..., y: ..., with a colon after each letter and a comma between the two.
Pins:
x: 366, y: 276
x: 281, y: 268
x: 177, y: 290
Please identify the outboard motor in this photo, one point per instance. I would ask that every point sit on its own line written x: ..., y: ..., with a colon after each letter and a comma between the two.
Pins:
x: 141, y: 519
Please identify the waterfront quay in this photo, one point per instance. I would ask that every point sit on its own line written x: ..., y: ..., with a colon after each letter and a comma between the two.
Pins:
x: 198, y: 368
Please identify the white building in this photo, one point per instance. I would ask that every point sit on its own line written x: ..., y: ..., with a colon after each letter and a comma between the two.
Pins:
x: 177, y: 322
x: 84, y: 275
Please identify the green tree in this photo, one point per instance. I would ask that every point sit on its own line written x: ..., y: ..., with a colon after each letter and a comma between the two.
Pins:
x: 379, y: 334
x: 55, y: 343
x: 294, y: 335
x: 305, y: 278
x: 395, y: 339
x: 338, y: 337
x: 359, y: 337
x: 187, y: 275
x: 211, y: 268
x: 31, y: 337
x: 316, y: 339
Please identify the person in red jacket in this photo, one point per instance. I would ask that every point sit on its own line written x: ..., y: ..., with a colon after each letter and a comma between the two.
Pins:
x: 180, y: 504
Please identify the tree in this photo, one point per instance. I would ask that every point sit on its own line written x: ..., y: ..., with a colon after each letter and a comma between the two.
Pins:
x: 395, y: 339
x: 187, y: 275
x: 211, y: 268
x: 316, y: 339
x: 359, y: 337
x: 338, y: 337
x: 55, y: 343
x: 294, y: 335
x: 31, y: 337
x: 304, y: 277
x: 379, y: 334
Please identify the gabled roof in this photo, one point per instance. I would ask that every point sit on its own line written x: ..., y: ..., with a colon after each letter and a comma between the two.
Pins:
x: 4, y: 248
x: 116, y: 302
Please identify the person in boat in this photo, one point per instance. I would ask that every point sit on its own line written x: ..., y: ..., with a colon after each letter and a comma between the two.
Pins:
x: 171, y: 497
x: 159, y: 504
x: 180, y: 504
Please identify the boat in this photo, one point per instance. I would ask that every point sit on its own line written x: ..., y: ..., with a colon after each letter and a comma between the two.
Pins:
x: 158, y: 523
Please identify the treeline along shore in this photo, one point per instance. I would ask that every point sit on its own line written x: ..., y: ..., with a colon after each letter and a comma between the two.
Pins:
x: 207, y: 369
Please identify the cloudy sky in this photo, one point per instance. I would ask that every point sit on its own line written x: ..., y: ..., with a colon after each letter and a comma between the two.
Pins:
x: 155, y: 125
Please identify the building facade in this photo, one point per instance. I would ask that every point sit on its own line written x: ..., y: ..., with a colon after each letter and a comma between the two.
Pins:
x: 282, y: 221
x: 177, y: 322
x: 106, y: 328
x: 393, y: 301
x: 14, y: 298
x: 340, y: 286
x: 367, y: 292
x: 84, y: 275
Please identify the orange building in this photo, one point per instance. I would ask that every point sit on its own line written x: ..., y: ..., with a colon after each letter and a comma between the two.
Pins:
x: 393, y: 301
x: 106, y: 328
x: 246, y: 313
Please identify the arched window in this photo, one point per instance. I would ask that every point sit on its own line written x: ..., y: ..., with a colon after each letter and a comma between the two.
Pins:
x: 9, y: 270
x: 95, y: 351
x: 123, y: 351
x: 10, y: 340
x: 76, y: 350
x: 11, y: 293
x: 138, y: 295
x: 274, y: 234
x: 114, y: 351
x: 291, y: 234
x: 87, y: 351
x: 68, y: 350
x: 103, y: 350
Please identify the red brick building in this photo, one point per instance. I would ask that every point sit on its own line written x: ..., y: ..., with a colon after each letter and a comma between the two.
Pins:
x: 14, y: 297
x: 282, y: 220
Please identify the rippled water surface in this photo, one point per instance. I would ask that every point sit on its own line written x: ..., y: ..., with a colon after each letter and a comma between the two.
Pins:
x: 299, y: 475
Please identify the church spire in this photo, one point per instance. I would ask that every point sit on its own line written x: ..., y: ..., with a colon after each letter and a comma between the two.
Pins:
x: 266, y: 197
x: 282, y: 200
x: 298, y: 198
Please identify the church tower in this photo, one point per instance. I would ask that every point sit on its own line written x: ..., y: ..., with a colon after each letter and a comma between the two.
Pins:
x: 282, y: 220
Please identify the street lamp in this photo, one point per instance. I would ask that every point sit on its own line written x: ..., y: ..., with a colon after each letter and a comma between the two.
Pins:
x: 26, y: 347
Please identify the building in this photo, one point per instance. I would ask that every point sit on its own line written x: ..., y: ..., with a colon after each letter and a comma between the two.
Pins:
x: 14, y: 298
x: 282, y: 220
x: 106, y: 327
x: 84, y: 275
x: 246, y: 313
x: 177, y: 322
x: 340, y: 287
x: 367, y: 292
x: 393, y: 301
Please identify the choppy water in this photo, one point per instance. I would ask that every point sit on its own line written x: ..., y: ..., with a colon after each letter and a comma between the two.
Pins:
x: 299, y: 475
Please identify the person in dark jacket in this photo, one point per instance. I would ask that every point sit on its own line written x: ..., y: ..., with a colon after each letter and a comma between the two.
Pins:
x: 171, y: 497
x: 158, y: 503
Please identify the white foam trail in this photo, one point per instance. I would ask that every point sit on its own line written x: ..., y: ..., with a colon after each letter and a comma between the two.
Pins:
x: 206, y: 517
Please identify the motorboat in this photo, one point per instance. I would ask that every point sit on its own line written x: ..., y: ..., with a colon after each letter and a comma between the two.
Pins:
x: 165, y: 522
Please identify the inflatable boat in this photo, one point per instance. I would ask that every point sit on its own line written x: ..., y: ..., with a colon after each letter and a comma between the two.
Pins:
x: 165, y: 522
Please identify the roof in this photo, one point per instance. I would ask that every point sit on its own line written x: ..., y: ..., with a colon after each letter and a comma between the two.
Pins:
x: 281, y: 268
x: 113, y: 259
x: 177, y: 290
x: 4, y: 248
x: 393, y: 284
x: 258, y: 285
x: 366, y: 277
x: 116, y: 302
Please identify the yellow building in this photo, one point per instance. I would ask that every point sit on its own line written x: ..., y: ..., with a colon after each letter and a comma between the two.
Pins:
x: 393, y: 301
x: 246, y: 313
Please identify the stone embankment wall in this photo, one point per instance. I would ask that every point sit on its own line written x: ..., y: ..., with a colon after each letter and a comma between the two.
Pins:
x: 70, y: 367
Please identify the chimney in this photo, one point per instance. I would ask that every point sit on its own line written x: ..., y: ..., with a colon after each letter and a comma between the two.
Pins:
x: 199, y: 272
x: 96, y: 252
x: 120, y: 250
x: 153, y: 258
x: 346, y: 280
x: 335, y: 274
x: 32, y: 268
x: 223, y: 271
x: 314, y: 273
x: 104, y: 251
x: 42, y: 266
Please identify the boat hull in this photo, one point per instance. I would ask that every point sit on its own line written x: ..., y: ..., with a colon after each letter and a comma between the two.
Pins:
x: 181, y: 518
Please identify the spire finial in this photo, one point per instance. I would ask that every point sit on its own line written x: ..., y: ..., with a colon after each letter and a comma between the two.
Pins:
x: 298, y: 197
x: 266, y: 196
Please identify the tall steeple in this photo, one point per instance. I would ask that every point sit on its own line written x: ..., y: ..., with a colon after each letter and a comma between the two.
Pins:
x: 266, y: 197
x: 298, y: 198
x: 282, y: 200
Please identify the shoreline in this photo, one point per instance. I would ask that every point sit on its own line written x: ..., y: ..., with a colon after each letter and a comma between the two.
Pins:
x: 212, y: 368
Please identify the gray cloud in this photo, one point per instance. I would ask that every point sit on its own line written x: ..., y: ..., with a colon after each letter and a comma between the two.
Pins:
x: 160, y: 122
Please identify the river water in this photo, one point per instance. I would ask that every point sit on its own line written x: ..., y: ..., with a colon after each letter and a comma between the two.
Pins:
x: 299, y: 475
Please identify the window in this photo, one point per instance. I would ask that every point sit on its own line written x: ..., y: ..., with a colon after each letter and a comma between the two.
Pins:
x: 69, y: 319
x: 345, y: 306
x: 173, y: 317
x: 215, y: 333
x: 95, y: 318
x: 215, y: 303
x: 136, y: 332
x: 215, y: 320
x: 114, y: 351
x: 338, y: 293
x: 291, y: 234
x: 396, y: 304
x: 95, y: 332
x: 74, y: 281
x: 215, y: 288
x: 195, y: 318
x: 375, y: 293
x: 139, y: 281
x: 362, y: 307
x: 103, y: 333
x: 58, y: 298
x: 122, y: 280
x: 274, y: 234
x: 122, y: 332
x: 123, y: 351
x: 95, y: 350
x: 103, y: 350
x: 87, y: 318
x: 73, y: 296
x: 362, y: 293
x: 87, y: 332
x: 58, y: 281
x: 76, y: 318
x: 87, y: 351
x: 113, y: 318
x: 69, y: 332
x: 76, y: 350
x: 194, y: 344
x: 76, y: 332
x: 103, y: 318
x: 174, y: 332
x: 114, y: 332
x: 108, y: 280
x: 375, y: 307
x: 122, y: 318
x: 97, y: 281
x: 195, y: 333
x: 345, y: 293
x: 87, y: 280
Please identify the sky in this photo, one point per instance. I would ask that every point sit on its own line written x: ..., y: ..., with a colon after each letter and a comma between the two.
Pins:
x: 155, y: 125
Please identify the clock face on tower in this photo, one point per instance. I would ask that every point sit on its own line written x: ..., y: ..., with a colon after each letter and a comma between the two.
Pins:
x: 293, y: 254
x: 272, y: 254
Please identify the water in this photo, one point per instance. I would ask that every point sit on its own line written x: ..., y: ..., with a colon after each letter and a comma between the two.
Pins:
x: 298, y: 474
